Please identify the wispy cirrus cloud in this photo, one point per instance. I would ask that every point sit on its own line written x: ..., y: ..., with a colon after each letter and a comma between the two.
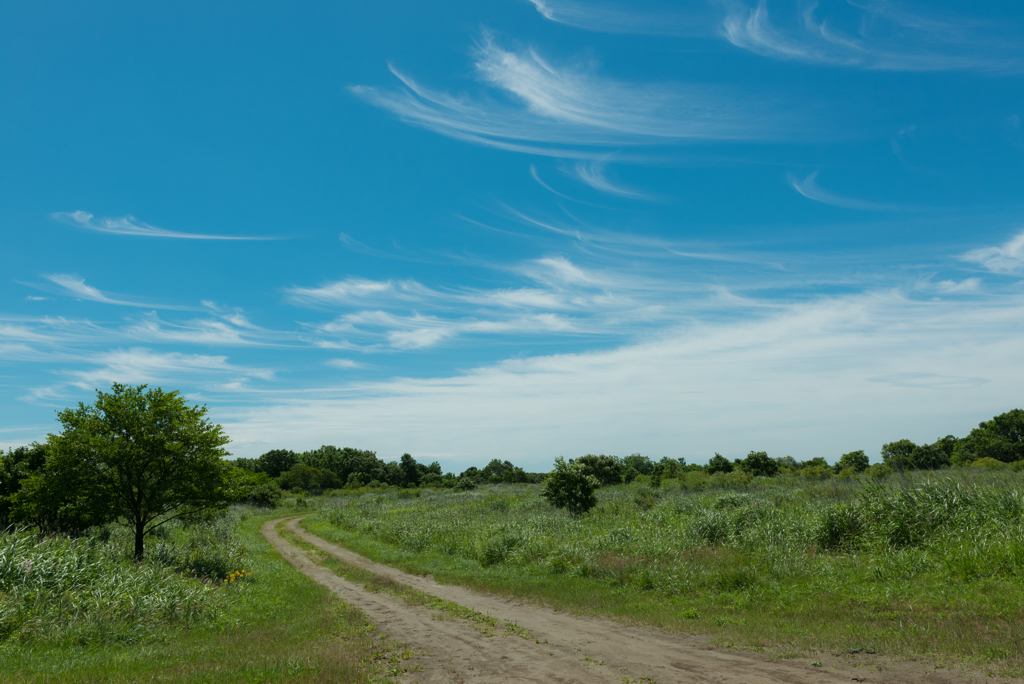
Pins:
x: 129, y: 225
x: 882, y: 35
x: 546, y: 104
x: 592, y: 173
x: 75, y: 286
x: 610, y: 17
x: 809, y: 188
x: 1005, y: 258
x: 140, y: 365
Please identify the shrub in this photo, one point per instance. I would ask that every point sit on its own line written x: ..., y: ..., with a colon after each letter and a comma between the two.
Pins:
x: 816, y: 472
x: 605, y: 469
x: 878, y: 471
x: 719, y: 464
x: 758, y: 464
x: 571, y: 487
x: 989, y: 464
x: 857, y: 460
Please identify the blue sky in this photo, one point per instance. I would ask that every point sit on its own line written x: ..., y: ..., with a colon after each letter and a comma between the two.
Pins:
x: 518, y: 229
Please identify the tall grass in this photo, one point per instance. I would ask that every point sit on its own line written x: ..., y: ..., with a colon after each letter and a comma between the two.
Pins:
x: 941, y: 551
x: 90, y: 589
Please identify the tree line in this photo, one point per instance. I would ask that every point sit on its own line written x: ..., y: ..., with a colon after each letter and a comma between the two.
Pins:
x: 331, y: 467
x: 142, y: 457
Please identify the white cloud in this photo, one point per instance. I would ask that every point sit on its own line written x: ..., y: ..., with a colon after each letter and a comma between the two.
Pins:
x: 345, y: 364
x: 129, y: 225
x: 814, y: 379
x: 76, y: 286
x: 885, y: 37
x: 592, y: 173
x: 808, y: 187
x: 361, y: 290
x: 615, y: 18
x: 1007, y: 258
x: 571, y: 105
x: 140, y: 365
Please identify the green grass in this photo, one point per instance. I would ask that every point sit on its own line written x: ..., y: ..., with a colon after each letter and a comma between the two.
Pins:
x: 274, y: 625
x: 928, y: 566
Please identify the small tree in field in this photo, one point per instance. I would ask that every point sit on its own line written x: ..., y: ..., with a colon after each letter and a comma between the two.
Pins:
x: 143, y: 457
x: 571, y: 486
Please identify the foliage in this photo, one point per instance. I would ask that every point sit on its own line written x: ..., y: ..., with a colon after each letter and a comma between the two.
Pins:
x: 758, y: 464
x: 1001, y: 438
x: 606, y: 469
x: 857, y: 460
x: 258, y: 489
x: 276, y: 461
x: 896, y: 454
x: 15, y: 467
x: 641, y: 464
x: 719, y: 464
x: 571, y: 487
x: 307, y: 478
x: 137, y: 455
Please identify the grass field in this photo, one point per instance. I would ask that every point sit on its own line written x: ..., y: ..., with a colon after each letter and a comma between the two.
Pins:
x: 923, y: 566
x: 120, y: 622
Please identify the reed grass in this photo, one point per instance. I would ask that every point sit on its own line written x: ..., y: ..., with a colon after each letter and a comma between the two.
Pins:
x: 926, y: 565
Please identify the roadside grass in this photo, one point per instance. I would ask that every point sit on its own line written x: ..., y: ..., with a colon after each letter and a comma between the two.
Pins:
x: 273, y: 625
x: 486, y: 624
x: 927, y: 566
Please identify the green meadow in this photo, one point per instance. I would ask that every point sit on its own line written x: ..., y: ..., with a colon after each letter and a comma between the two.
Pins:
x: 924, y: 565
x: 211, y: 603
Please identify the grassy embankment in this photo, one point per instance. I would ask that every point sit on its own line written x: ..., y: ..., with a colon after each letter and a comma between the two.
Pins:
x: 83, y: 611
x: 927, y: 566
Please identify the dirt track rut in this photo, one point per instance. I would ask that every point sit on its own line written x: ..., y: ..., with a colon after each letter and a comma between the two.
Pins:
x: 572, y: 649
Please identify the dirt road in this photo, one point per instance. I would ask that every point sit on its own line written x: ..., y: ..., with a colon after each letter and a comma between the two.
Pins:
x: 563, y: 647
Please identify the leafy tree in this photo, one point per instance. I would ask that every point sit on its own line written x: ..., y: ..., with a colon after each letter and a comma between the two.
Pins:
x: 1001, y: 438
x: 930, y: 457
x: 431, y: 480
x: 719, y: 464
x: 16, y: 466
x: 571, y: 487
x: 471, y: 473
x: 787, y: 463
x: 141, y: 456
x: 258, y: 489
x: 410, y: 473
x: 306, y: 478
x: 757, y: 463
x: 896, y: 454
x: 606, y: 469
x: 344, y: 462
x: 640, y: 464
x: 249, y: 464
x: 276, y: 461
x: 816, y: 462
x: 857, y: 460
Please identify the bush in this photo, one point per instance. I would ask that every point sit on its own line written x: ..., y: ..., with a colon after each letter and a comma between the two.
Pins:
x: 571, y: 487
x: 719, y: 464
x: 758, y: 464
x: 989, y: 464
x: 878, y: 471
x: 605, y: 469
x: 857, y: 460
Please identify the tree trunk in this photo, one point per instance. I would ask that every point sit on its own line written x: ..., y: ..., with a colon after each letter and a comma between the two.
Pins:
x: 140, y: 529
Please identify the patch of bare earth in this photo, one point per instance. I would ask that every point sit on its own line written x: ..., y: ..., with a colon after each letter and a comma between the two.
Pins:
x: 567, y: 648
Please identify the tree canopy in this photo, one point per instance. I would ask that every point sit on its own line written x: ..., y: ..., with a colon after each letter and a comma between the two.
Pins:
x: 141, y: 456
